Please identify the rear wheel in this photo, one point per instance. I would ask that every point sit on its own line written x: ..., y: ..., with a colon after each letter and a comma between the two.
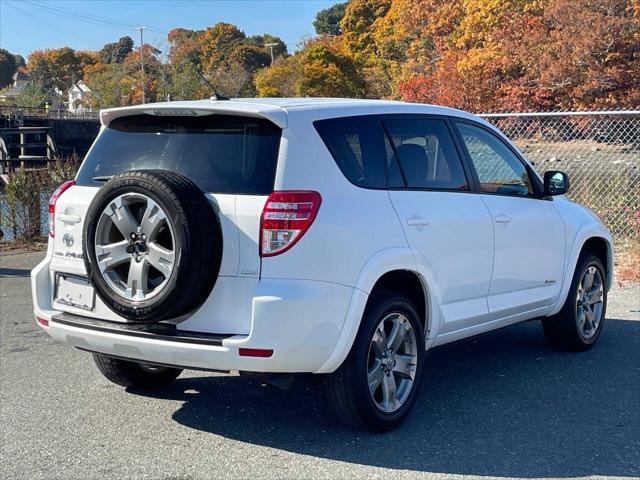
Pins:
x: 134, y: 374
x: 377, y: 384
x: 578, y: 325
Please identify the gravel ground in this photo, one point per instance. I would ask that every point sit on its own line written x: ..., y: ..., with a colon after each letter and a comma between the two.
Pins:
x: 501, y: 405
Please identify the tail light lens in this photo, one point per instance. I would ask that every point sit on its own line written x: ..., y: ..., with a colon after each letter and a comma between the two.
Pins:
x: 52, y: 204
x: 42, y: 321
x: 286, y: 217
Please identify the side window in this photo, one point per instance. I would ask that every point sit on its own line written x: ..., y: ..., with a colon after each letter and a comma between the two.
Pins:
x: 357, y: 146
x: 426, y: 154
x: 498, y: 169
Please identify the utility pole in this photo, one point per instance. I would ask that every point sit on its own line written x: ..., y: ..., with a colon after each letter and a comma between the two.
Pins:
x: 271, y: 45
x: 142, y: 61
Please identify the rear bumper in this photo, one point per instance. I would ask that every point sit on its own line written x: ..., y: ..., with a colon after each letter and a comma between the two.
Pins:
x: 299, y: 320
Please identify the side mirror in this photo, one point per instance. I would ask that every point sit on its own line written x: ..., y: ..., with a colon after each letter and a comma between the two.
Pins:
x: 555, y: 183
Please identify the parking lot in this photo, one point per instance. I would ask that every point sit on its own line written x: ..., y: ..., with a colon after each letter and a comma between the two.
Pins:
x: 501, y: 405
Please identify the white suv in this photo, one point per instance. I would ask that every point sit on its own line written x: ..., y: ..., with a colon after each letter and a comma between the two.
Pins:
x: 336, y: 237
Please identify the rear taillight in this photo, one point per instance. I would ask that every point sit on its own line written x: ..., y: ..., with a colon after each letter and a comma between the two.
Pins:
x: 52, y: 204
x: 286, y: 216
x: 42, y: 321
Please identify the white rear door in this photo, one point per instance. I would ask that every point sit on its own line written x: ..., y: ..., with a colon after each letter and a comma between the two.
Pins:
x: 446, y: 224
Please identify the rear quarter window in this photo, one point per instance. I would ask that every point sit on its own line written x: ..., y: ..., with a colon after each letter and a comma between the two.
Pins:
x: 219, y: 153
x: 357, y: 146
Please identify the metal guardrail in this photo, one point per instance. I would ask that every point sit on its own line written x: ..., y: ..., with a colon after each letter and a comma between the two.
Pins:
x: 599, y: 150
x: 57, y: 114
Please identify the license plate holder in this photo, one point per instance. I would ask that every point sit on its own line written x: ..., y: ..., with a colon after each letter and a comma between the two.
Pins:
x: 74, y: 291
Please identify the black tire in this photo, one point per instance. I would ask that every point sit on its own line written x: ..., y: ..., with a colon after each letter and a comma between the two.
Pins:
x: 197, y: 245
x: 134, y: 374
x: 346, y: 390
x: 561, y: 330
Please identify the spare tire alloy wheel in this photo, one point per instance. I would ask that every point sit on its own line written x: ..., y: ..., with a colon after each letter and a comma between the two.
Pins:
x: 152, y: 244
x: 135, y: 258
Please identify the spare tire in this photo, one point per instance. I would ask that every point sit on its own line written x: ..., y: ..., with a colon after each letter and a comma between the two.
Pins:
x: 153, y: 245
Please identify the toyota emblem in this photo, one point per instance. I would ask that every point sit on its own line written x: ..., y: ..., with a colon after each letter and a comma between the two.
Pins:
x: 68, y: 239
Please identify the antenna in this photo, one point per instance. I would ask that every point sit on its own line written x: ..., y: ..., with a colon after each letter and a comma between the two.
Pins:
x: 216, y: 95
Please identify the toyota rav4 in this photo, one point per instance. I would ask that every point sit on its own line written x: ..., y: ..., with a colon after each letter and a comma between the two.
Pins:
x: 340, y: 238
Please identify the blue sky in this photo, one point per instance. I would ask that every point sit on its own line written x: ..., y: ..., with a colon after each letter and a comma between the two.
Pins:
x: 27, y: 25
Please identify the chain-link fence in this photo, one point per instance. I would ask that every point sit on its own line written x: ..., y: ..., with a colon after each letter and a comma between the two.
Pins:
x: 600, y: 151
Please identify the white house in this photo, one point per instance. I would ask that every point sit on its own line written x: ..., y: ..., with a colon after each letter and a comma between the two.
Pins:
x: 79, y: 98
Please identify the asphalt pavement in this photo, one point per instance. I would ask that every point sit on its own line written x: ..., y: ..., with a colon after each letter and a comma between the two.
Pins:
x: 500, y: 405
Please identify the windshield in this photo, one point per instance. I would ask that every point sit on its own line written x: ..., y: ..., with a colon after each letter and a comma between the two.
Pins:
x: 219, y: 153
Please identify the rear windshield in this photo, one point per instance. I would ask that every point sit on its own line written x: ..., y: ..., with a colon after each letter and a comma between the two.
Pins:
x: 219, y: 153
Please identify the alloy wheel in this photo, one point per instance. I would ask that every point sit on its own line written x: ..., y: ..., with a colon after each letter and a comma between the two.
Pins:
x: 135, y: 246
x: 392, y: 362
x: 589, y: 304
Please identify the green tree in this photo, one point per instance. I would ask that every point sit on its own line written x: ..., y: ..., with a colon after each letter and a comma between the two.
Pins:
x: 250, y: 57
x: 20, y: 61
x: 7, y: 67
x: 281, y: 79
x: 327, y: 21
x: 185, y: 46
x: 34, y: 95
x: 184, y: 83
x: 279, y: 49
x: 327, y: 72
x: 117, y: 52
x: 106, y: 83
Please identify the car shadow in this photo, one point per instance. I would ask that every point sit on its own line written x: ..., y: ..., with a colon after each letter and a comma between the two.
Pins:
x: 502, y: 404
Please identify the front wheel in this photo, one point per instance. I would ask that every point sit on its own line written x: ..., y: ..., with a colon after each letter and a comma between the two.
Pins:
x: 134, y: 374
x: 578, y: 325
x: 377, y: 384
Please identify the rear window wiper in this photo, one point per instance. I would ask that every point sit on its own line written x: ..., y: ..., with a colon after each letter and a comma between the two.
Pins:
x: 102, y: 178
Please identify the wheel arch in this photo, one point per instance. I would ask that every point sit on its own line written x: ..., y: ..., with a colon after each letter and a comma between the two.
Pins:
x: 409, y: 284
x: 384, y: 270
x: 602, y: 249
x: 597, y: 241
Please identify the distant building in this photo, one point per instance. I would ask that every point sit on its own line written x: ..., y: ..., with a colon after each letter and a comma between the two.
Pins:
x: 79, y: 98
x: 20, y: 81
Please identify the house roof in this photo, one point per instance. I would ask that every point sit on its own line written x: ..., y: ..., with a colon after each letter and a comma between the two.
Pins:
x: 21, y: 75
x: 14, y: 91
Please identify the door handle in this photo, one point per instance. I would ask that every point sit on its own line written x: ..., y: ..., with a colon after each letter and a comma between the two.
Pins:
x: 417, y: 222
x: 66, y: 218
x: 502, y: 218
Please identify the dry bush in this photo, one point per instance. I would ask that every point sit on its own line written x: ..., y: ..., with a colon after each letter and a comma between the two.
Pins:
x: 628, y: 262
x: 23, y: 204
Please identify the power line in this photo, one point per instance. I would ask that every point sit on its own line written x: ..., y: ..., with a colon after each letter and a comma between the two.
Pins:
x: 41, y: 21
x: 86, y: 17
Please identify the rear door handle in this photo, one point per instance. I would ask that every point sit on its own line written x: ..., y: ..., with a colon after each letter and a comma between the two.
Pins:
x: 502, y: 218
x: 417, y: 222
x: 66, y: 218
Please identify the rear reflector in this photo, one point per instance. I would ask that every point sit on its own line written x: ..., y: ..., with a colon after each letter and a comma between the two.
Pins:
x: 42, y: 321
x: 286, y: 217
x: 255, y: 352
x: 52, y: 204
